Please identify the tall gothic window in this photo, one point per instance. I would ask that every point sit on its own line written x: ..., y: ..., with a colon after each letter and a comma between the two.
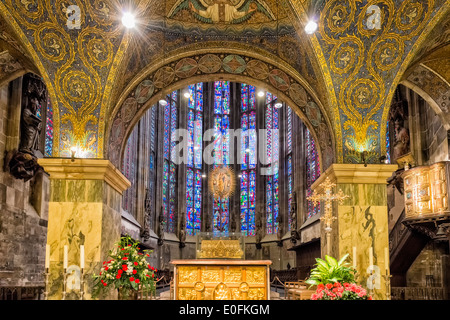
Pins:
x: 312, y: 172
x: 221, y: 148
x: 272, y: 178
x: 248, y: 161
x: 169, y: 167
x: 194, y: 164
x: 290, y: 176
x: 129, y: 170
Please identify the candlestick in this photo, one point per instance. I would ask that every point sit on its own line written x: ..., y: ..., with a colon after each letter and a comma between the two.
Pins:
x: 64, y: 284
x: 46, y: 274
x: 354, y: 257
x: 66, y: 254
x: 387, y: 278
x: 386, y: 259
x: 82, y: 284
x: 47, y: 256
x: 371, y: 256
x: 82, y: 257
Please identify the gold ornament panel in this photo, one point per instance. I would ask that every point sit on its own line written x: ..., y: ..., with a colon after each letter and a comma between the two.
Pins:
x: 199, y: 281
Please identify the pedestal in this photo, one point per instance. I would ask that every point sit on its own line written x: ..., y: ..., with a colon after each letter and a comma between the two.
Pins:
x: 362, y: 220
x: 84, y: 209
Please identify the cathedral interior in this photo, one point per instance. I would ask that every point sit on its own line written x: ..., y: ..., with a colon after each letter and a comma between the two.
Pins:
x: 270, y: 98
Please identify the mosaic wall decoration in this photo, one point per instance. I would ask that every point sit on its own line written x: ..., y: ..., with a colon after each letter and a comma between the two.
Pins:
x: 364, y: 47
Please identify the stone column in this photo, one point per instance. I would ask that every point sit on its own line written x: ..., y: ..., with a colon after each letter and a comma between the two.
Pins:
x: 84, y: 209
x: 362, y: 220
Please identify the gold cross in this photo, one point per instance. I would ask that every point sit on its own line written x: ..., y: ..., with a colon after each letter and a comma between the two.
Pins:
x: 328, y: 197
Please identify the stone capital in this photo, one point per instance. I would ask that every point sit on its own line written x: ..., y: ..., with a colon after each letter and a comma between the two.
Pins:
x: 85, y: 169
x: 343, y: 173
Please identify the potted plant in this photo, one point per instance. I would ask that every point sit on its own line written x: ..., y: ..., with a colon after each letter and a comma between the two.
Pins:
x: 335, y: 280
x: 127, y: 271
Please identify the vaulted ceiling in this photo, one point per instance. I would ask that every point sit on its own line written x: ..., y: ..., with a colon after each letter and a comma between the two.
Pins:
x: 340, y: 79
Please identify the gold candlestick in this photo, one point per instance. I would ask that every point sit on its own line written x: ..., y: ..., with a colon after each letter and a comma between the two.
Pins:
x: 387, y: 278
x: 64, y: 293
x: 46, y: 274
x: 372, y: 287
x: 82, y: 284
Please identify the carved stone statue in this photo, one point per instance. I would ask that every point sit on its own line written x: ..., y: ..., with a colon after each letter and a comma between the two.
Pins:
x: 294, y: 233
x: 31, y: 125
x: 145, y: 231
x: 258, y: 231
x: 182, y: 233
x: 161, y: 224
x: 398, y: 115
x: 280, y: 230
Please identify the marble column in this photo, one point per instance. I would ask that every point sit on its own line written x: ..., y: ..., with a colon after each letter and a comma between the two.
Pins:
x: 84, y: 209
x: 362, y: 220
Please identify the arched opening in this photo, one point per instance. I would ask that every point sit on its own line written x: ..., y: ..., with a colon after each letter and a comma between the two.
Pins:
x: 271, y: 153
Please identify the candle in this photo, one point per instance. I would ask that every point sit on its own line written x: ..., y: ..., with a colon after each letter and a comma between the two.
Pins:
x: 371, y: 256
x: 66, y: 251
x: 386, y: 259
x: 47, y: 256
x: 82, y: 257
x: 354, y: 257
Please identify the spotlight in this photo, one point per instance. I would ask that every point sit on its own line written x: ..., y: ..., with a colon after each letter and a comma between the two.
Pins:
x: 278, y: 105
x: 247, y: 150
x: 128, y: 20
x: 260, y: 93
x: 311, y: 27
x: 187, y: 95
x: 163, y: 102
x: 204, y: 175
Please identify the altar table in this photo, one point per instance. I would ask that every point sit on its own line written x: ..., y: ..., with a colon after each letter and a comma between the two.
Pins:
x: 214, y: 279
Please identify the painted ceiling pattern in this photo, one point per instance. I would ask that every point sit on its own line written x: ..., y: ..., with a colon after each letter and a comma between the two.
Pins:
x: 357, y: 58
x: 366, y: 46
x: 76, y: 62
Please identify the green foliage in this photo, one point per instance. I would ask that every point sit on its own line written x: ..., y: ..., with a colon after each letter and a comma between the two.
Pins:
x: 331, y: 271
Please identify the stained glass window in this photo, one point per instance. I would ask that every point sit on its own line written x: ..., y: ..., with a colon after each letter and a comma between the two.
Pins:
x: 272, y: 179
x: 194, y: 165
x: 388, y: 144
x: 49, y: 130
x: 129, y: 170
x: 169, y: 168
x: 221, y: 149
x: 248, y: 160
x: 290, y: 176
x: 312, y: 171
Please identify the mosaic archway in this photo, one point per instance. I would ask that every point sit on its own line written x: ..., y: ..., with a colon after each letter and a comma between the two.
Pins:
x: 218, y: 66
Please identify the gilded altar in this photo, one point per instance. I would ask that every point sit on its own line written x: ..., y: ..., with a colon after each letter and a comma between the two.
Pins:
x: 208, y: 279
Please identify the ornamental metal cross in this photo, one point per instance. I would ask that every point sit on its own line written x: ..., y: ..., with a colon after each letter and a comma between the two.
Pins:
x: 328, y: 197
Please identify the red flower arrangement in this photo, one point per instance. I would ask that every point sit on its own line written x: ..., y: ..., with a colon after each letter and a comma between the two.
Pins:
x: 128, y: 270
x: 337, y: 291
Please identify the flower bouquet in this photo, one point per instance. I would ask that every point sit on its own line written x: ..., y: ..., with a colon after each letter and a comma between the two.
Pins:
x: 335, y: 280
x: 127, y: 270
x: 337, y: 291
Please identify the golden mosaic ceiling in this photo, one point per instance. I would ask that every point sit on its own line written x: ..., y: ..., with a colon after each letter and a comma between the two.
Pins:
x: 348, y: 69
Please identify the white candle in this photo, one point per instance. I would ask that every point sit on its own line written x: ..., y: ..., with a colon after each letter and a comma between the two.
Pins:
x: 354, y: 257
x: 66, y: 253
x: 82, y: 257
x: 47, y: 256
x: 371, y: 256
x: 386, y: 259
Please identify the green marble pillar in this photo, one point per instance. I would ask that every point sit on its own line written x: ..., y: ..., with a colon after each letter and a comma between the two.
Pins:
x: 362, y: 219
x: 84, y: 209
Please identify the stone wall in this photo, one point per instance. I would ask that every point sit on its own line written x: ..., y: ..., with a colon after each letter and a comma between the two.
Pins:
x: 23, y: 230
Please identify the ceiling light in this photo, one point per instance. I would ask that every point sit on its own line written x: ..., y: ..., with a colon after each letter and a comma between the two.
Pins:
x: 128, y: 20
x: 187, y: 95
x: 163, y: 102
x: 260, y: 93
x: 311, y: 27
x: 278, y: 105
